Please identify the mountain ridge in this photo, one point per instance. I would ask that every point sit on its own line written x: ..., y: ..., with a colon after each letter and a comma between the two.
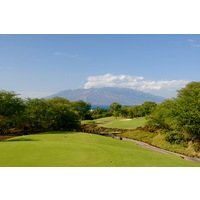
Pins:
x: 108, y: 95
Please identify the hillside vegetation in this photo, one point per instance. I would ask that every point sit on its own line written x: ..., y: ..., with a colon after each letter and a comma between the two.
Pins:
x: 136, y: 129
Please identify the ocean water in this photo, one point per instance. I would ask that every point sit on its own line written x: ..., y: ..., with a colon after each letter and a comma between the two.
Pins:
x: 93, y: 107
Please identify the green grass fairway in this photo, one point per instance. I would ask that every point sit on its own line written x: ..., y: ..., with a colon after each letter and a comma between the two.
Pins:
x: 112, y: 122
x: 80, y: 149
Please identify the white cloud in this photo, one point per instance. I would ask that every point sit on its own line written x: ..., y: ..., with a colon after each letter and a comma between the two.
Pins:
x: 65, y: 55
x: 157, y: 85
x: 135, y: 82
x: 193, y: 43
x: 190, y: 40
x: 110, y: 80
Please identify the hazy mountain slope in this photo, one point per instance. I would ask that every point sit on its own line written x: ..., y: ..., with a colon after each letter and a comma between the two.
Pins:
x: 108, y: 95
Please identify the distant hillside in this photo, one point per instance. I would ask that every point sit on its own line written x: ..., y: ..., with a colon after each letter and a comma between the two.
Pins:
x: 108, y: 95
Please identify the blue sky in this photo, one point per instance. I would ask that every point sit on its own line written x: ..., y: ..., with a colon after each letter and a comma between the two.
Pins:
x: 40, y: 65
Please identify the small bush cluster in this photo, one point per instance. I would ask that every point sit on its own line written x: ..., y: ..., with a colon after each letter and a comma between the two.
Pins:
x: 174, y: 137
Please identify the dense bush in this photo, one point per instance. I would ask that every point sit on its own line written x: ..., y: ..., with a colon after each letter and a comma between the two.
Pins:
x: 18, y: 115
x: 180, y: 116
x: 100, y: 113
x: 175, y: 137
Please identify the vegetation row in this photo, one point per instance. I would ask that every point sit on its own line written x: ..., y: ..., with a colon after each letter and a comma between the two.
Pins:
x: 177, y: 120
x: 19, y: 116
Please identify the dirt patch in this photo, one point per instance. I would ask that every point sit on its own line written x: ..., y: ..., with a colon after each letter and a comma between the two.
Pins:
x: 125, y: 119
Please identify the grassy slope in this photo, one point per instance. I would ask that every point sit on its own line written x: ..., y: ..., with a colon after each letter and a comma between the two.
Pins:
x: 155, y: 138
x: 112, y: 122
x: 80, y: 149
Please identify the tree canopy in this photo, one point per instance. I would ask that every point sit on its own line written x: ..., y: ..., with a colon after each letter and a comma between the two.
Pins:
x: 115, y: 108
x: 181, y: 114
x: 39, y: 114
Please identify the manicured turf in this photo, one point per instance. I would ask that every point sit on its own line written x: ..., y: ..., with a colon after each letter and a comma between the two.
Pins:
x: 80, y: 149
x: 113, y: 122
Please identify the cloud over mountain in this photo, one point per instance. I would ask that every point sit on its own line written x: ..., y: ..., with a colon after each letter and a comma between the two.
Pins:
x: 134, y: 82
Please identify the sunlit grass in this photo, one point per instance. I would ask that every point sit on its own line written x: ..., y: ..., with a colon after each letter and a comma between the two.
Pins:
x: 113, y: 122
x: 80, y: 149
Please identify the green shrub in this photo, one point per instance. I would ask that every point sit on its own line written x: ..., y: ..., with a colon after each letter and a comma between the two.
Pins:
x: 196, y: 146
x: 175, y: 137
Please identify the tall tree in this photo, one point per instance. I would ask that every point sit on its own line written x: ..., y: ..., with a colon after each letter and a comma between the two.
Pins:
x: 164, y: 116
x: 134, y: 111
x: 10, y: 104
x: 11, y: 109
x: 181, y: 114
x: 82, y: 108
x: 35, y: 115
x: 115, y: 108
x: 60, y: 115
x: 188, y: 109
x: 147, y: 108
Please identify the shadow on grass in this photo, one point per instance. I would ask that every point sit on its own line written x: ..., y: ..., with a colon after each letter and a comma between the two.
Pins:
x: 20, y: 140
x: 59, y: 132
x: 24, y: 139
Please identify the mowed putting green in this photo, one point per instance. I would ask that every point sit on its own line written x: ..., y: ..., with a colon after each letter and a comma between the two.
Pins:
x: 80, y: 149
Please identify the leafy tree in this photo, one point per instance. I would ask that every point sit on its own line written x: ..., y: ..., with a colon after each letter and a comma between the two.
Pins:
x: 180, y: 116
x: 97, y: 113
x: 100, y: 112
x: 11, y: 109
x: 164, y: 116
x: 35, y: 115
x: 60, y: 115
x: 147, y: 108
x: 133, y: 111
x: 52, y: 114
x: 10, y: 104
x: 188, y: 109
x: 82, y: 108
x: 124, y: 111
x: 115, y: 108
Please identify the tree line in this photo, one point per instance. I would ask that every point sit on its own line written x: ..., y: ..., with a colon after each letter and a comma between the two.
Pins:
x: 132, y: 111
x: 118, y: 110
x: 19, y: 115
x: 179, y: 118
x: 32, y: 114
